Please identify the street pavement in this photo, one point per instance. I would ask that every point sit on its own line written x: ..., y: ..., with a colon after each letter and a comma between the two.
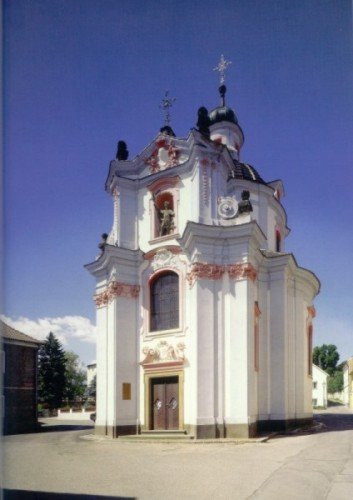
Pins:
x: 71, y: 464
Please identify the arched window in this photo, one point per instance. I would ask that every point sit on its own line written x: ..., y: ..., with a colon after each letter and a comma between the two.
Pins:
x: 164, y: 302
x: 278, y: 241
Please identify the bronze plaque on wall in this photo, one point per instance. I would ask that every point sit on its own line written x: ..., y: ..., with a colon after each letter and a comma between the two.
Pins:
x: 126, y: 391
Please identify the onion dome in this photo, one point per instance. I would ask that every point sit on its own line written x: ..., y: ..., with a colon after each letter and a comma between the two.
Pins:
x: 246, y: 172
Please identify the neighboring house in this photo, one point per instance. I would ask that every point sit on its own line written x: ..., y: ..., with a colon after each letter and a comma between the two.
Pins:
x: 91, y: 372
x: 205, y: 321
x: 348, y: 383
x: 20, y: 381
x: 320, y: 378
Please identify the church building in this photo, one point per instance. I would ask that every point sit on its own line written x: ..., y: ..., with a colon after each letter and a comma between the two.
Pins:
x: 204, y: 319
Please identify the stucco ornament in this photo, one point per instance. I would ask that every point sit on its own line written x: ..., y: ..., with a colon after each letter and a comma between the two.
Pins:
x: 164, y: 155
x: 165, y: 258
x: 163, y: 352
x: 227, y: 208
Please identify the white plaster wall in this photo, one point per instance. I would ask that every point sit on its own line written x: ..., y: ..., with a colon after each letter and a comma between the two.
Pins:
x: 125, y: 362
x: 319, y: 393
x: 264, y: 351
x: 102, y: 373
x: 278, y: 345
x: 345, y: 386
x: 236, y: 353
x: 206, y: 312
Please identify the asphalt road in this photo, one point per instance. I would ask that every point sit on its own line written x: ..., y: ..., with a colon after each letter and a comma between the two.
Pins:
x: 62, y: 465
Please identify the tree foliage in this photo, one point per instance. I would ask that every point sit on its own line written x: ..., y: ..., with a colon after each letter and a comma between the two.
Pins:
x: 335, y: 382
x: 51, y: 372
x: 326, y: 357
x: 75, y: 387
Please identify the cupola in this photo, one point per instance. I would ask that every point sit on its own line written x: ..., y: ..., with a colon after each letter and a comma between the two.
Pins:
x: 224, y: 127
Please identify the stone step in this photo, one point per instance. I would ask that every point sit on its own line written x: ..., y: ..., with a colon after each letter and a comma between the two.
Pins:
x: 163, y: 432
x: 158, y: 436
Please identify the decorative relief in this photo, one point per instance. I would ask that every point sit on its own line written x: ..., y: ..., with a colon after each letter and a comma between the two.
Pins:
x: 243, y: 270
x: 200, y: 270
x: 239, y: 271
x: 116, y: 289
x: 165, y: 155
x: 227, y: 208
x: 163, y: 353
x: 311, y: 311
x: 165, y: 258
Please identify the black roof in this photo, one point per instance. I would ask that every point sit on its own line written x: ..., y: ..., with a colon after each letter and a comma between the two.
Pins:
x: 246, y: 172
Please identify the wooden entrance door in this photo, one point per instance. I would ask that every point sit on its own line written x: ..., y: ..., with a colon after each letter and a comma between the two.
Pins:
x: 165, y: 403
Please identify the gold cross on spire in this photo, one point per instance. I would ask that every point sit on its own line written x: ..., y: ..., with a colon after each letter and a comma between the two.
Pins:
x: 166, y: 104
x: 221, y: 67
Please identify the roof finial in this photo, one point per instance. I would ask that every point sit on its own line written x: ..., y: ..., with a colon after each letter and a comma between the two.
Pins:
x: 166, y: 104
x: 221, y: 68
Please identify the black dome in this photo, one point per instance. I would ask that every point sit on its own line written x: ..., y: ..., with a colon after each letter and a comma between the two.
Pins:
x: 246, y: 172
x: 222, y: 114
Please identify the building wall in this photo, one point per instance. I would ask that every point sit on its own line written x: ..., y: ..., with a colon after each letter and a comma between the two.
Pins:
x: 319, y: 390
x: 20, y: 389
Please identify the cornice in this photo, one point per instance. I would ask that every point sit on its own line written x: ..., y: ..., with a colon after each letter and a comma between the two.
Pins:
x: 219, y: 234
x: 117, y: 255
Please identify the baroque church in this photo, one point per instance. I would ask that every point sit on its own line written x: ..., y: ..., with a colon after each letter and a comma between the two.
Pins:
x: 204, y: 319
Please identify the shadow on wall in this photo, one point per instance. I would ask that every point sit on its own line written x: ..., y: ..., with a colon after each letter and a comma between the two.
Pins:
x: 42, y: 495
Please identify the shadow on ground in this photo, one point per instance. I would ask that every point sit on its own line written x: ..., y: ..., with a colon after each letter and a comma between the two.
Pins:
x: 333, y: 419
x: 43, y: 495
x: 63, y: 427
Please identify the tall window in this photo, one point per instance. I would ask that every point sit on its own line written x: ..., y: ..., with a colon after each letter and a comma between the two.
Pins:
x: 164, y: 302
x: 278, y: 241
x: 310, y: 350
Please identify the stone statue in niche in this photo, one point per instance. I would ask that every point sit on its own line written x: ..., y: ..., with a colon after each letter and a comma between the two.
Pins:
x: 245, y: 205
x: 166, y: 216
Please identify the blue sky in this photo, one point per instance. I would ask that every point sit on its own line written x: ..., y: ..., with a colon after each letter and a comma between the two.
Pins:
x: 81, y: 74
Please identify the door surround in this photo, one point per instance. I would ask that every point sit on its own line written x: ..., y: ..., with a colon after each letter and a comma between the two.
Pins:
x: 163, y: 374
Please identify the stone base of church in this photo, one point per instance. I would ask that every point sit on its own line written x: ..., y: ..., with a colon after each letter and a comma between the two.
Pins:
x: 282, y: 425
x: 222, y: 431
x: 116, y: 431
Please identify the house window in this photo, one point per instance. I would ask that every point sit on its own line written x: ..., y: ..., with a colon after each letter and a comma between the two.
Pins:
x: 164, y: 302
x: 314, y: 385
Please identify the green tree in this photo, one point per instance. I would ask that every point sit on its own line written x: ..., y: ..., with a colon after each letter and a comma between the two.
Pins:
x: 75, y: 387
x: 51, y: 372
x: 326, y: 357
x: 335, y: 382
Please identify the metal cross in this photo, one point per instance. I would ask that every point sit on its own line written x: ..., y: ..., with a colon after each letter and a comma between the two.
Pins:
x: 221, y: 67
x: 166, y: 104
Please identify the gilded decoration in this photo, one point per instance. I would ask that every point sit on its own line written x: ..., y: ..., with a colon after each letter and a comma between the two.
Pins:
x: 116, y: 289
x: 239, y: 271
x: 163, y: 353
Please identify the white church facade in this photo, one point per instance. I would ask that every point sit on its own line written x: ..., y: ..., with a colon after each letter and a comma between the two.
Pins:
x: 204, y: 320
